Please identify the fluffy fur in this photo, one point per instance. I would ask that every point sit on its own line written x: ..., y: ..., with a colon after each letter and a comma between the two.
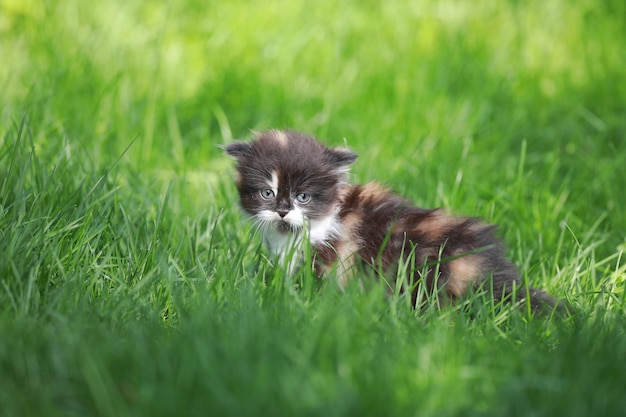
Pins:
x: 295, y: 190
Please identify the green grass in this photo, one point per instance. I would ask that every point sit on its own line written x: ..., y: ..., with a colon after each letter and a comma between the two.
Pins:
x: 130, y: 284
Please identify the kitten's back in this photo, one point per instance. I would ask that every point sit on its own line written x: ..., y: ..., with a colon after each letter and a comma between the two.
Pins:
x: 449, y: 254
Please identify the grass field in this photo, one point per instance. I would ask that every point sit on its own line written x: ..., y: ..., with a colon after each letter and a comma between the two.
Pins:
x: 130, y: 284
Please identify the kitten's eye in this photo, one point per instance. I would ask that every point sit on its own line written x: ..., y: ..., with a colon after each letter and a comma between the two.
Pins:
x: 267, y: 194
x: 303, y: 198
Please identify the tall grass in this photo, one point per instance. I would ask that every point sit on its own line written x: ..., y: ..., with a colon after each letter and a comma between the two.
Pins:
x: 130, y: 283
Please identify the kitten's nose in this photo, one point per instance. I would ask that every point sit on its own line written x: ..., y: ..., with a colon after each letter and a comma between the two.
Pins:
x: 282, y: 212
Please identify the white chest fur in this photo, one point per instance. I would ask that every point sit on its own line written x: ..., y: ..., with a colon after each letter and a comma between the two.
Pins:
x: 288, y: 248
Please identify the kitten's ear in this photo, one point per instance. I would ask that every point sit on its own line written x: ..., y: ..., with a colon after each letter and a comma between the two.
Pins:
x: 340, y: 157
x: 238, y: 150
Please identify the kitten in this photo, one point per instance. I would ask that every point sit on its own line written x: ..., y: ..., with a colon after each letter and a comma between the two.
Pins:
x: 295, y: 189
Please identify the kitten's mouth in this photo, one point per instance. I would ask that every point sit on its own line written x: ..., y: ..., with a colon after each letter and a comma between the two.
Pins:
x: 284, y: 227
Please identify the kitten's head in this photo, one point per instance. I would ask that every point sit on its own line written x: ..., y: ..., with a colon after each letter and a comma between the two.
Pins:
x: 286, y: 178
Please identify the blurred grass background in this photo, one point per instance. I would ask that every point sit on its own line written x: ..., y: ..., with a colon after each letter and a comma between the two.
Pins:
x: 131, y: 286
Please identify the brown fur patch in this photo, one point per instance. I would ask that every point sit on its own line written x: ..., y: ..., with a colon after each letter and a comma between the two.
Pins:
x: 347, y: 249
x: 350, y: 223
x: 463, y: 271
x: 373, y: 192
x: 436, y: 225
x: 347, y: 254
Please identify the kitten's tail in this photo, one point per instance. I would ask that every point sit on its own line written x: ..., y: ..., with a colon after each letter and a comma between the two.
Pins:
x: 543, y: 303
